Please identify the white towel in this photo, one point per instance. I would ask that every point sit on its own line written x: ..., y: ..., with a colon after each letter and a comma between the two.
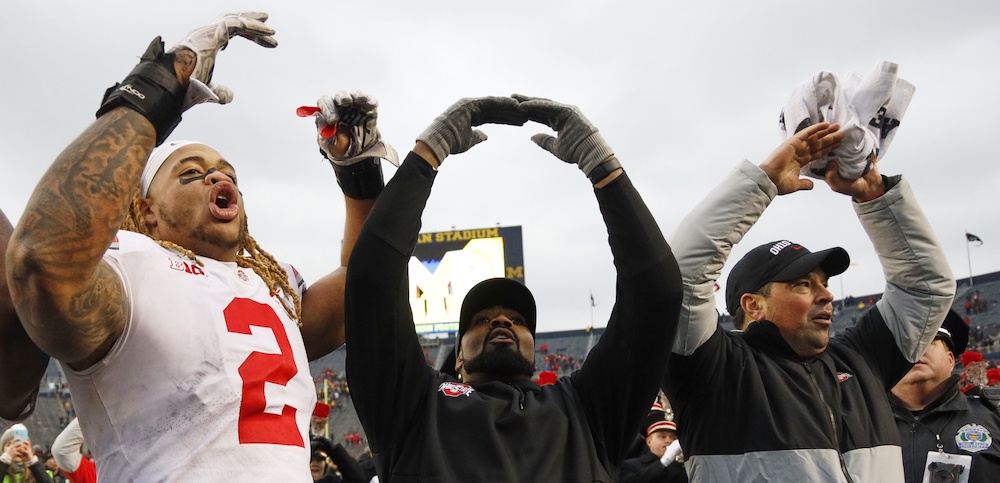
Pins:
x: 890, y: 118
x: 809, y: 104
x: 868, y: 107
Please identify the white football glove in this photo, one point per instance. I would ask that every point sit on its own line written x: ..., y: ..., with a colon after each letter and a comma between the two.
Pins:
x: 206, y: 42
x: 358, y: 113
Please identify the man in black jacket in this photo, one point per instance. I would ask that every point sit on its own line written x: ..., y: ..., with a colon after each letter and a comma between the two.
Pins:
x: 938, y: 424
x: 493, y: 423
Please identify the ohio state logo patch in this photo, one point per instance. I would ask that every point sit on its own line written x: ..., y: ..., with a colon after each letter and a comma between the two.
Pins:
x: 455, y: 389
x: 242, y: 276
x: 844, y: 376
x: 973, y: 438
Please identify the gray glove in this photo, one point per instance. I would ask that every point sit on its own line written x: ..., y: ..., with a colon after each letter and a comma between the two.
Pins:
x: 578, y: 143
x: 357, y: 112
x: 206, y: 42
x: 452, y: 133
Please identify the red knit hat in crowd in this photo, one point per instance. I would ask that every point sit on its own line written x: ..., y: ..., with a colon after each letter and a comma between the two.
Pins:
x: 321, y: 410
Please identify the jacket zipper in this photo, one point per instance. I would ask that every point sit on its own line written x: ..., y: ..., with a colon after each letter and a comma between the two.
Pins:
x: 833, y: 422
x: 520, y: 395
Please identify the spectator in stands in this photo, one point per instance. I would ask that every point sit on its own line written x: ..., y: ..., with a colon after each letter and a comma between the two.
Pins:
x: 795, y: 404
x: 181, y: 298
x: 67, y: 450
x: 938, y: 424
x: 662, y: 460
x: 22, y: 361
x: 494, y: 423
x: 52, y: 468
x: 332, y: 463
x: 17, y: 462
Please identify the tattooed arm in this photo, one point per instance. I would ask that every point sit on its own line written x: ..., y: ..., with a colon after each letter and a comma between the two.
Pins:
x: 71, y: 302
x: 23, y: 362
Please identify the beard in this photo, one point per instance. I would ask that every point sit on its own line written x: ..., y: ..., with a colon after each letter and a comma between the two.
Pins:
x: 501, y: 362
x: 210, y: 237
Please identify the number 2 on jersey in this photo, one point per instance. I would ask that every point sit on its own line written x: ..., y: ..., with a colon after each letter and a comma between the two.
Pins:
x: 255, y: 425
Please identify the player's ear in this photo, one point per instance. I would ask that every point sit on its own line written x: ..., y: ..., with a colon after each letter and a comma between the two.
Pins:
x: 147, y: 213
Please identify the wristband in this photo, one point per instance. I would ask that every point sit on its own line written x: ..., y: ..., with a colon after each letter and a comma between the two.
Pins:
x: 151, y: 89
x: 603, y: 169
x: 362, y: 180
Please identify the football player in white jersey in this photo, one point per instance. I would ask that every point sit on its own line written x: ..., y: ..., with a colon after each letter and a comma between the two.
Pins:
x: 186, y: 344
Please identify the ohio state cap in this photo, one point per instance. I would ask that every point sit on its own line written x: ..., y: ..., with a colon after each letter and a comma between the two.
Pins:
x: 779, y: 261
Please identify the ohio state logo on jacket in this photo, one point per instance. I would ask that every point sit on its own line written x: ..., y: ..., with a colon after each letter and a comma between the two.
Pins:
x: 455, y: 389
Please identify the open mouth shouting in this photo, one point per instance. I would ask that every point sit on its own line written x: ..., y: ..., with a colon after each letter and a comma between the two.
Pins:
x: 224, y: 201
x: 501, y: 335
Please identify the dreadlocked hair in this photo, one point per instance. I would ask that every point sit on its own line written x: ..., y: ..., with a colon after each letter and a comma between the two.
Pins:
x: 255, y: 258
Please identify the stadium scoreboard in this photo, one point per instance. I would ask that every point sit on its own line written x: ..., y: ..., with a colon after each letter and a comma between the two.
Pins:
x: 446, y: 264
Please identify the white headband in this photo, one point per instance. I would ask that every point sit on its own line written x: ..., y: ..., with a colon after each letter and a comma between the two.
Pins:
x: 156, y: 159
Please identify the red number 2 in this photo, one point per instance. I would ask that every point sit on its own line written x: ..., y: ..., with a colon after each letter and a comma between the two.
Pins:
x: 256, y: 426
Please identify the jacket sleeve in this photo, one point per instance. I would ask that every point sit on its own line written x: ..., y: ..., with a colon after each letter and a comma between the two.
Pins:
x: 347, y: 465
x: 385, y: 364
x: 703, y: 242
x: 919, y: 283
x: 621, y: 375
x: 66, y: 447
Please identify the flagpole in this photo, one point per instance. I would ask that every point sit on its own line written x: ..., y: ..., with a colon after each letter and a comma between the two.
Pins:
x: 968, y: 256
x: 592, y: 311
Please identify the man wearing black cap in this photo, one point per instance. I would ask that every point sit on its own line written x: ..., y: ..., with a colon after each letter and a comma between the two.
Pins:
x: 938, y: 424
x: 793, y: 403
x: 492, y: 422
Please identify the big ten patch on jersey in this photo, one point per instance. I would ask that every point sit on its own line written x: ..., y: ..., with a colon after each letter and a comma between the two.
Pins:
x: 186, y: 267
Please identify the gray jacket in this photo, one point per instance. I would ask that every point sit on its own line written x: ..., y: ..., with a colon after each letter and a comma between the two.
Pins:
x: 714, y: 375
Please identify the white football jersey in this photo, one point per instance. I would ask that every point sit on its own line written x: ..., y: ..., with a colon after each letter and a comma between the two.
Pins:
x: 209, y: 381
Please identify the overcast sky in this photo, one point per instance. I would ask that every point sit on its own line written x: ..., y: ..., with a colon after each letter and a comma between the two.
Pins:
x: 681, y: 90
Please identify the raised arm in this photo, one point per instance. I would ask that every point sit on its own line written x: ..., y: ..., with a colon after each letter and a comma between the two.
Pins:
x: 349, y: 139
x: 23, y: 362
x: 71, y: 302
x: 706, y: 236
x: 385, y: 364
x: 920, y: 286
x: 623, y: 372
